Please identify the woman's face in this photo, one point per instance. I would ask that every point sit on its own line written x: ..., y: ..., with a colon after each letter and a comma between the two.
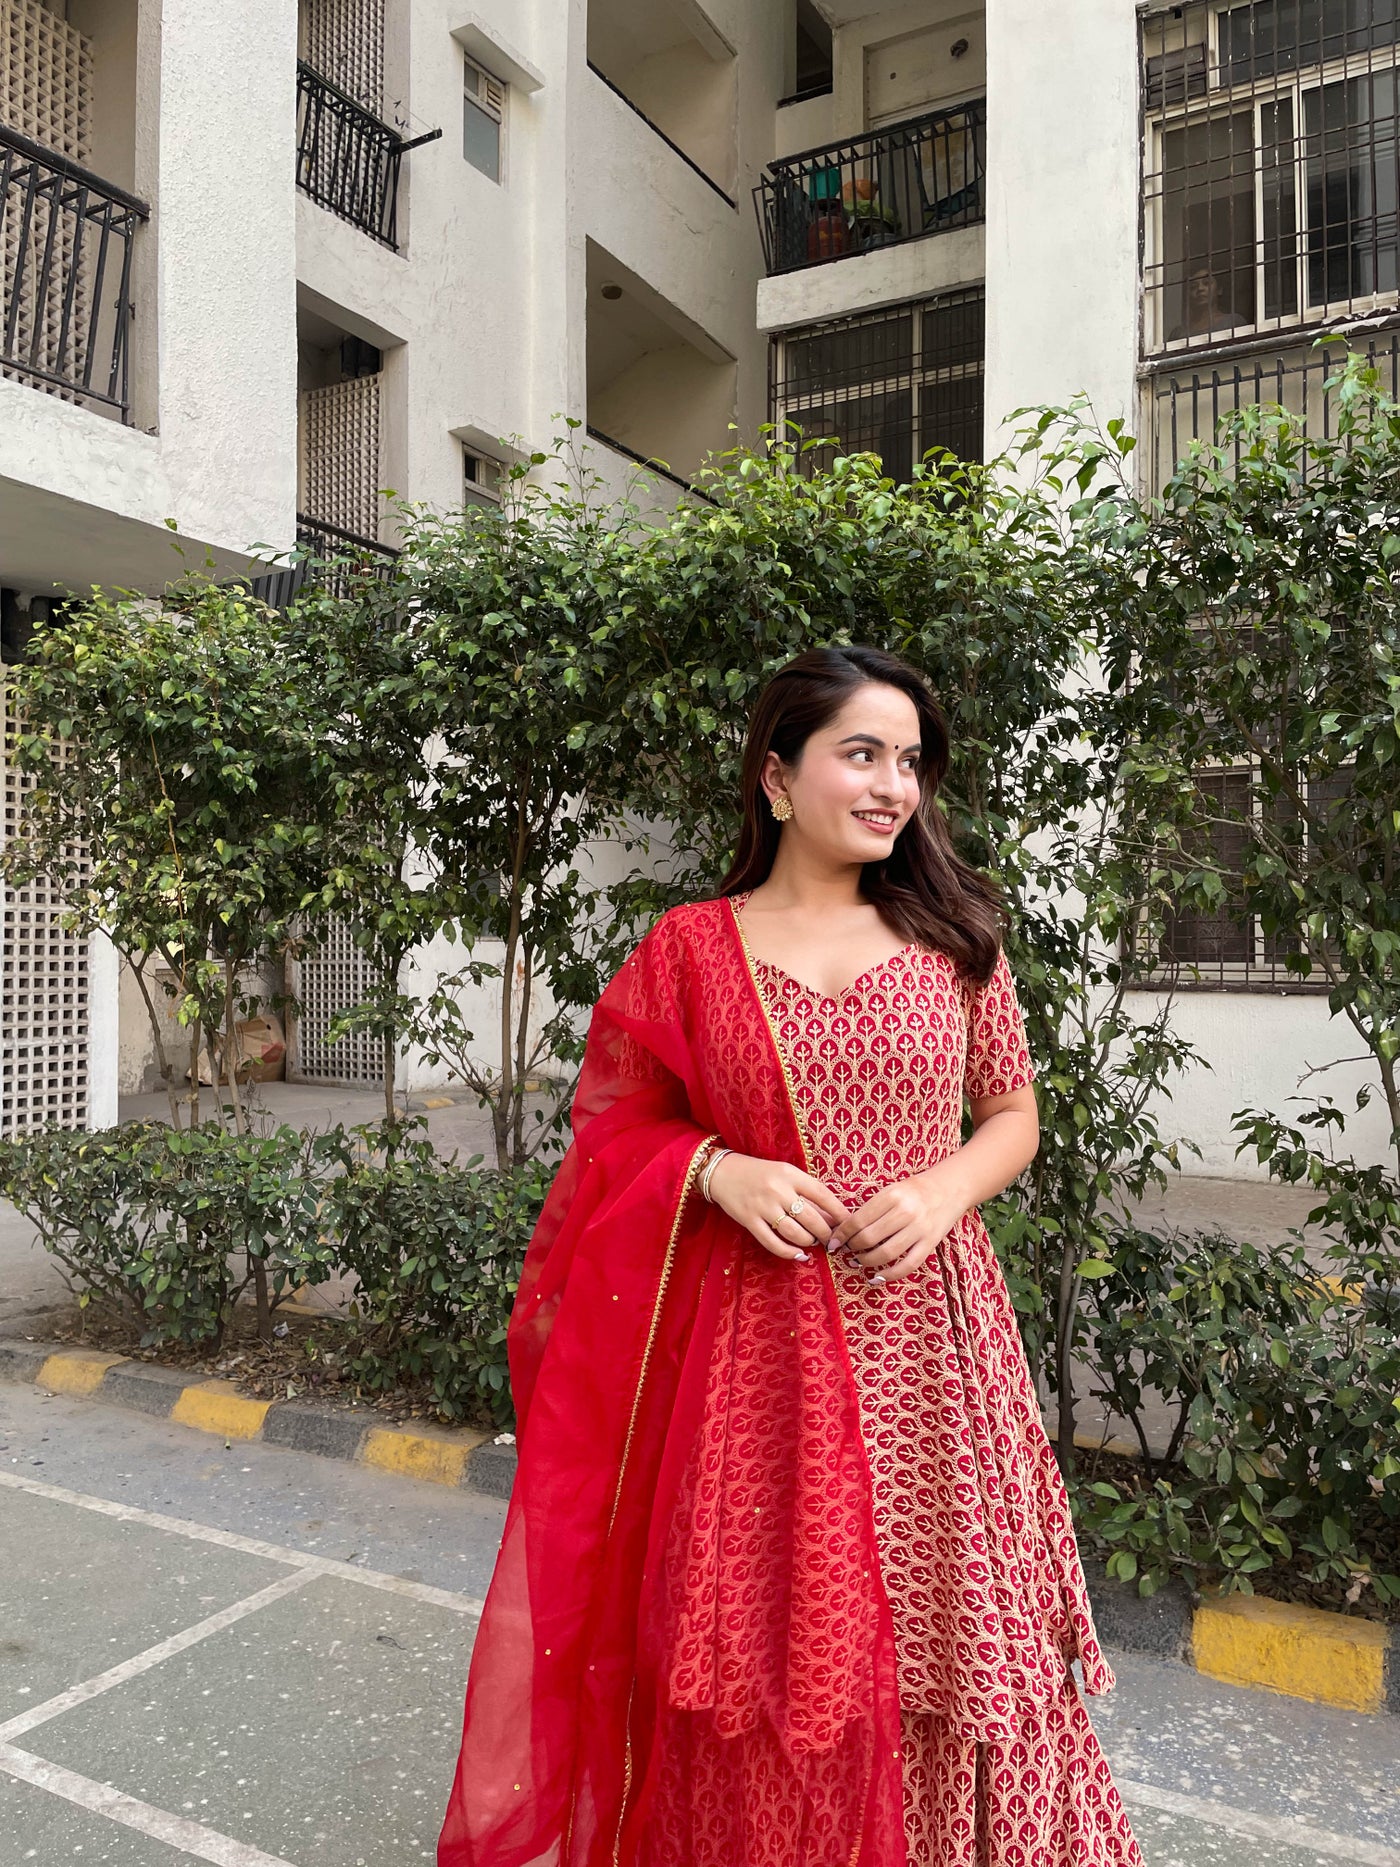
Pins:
x: 856, y: 783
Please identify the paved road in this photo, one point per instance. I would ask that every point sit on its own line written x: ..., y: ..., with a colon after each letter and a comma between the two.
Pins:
x: 255, y: 1658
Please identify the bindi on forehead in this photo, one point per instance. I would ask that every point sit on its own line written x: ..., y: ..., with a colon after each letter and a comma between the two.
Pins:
x: 874, y: 740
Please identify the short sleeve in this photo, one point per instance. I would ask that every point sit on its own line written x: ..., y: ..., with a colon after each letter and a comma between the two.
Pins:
x: 998, y: 1058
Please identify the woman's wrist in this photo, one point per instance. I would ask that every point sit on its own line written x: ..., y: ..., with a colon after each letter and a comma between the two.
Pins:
x: 715, y: 1170
x: 948, y: 1187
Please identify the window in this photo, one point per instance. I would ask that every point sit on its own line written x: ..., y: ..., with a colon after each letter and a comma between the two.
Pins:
x: 893, y: 382
x: 481, y: 479
x: 812, y: 76
x: 1271, y: 166
x: 1229, y: 948
x: 483, y: 112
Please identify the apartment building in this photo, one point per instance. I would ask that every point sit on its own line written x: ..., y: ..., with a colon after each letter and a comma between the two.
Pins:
x: 409, y: 228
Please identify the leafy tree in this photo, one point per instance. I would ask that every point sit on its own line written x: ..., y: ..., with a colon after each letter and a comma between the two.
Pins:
x: 522, y: 620
x: 177, y: 791
x: 1265, y: 614
x: 977, y: 576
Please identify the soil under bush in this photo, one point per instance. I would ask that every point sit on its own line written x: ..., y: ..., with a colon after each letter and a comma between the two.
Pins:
x: 308, y: 1359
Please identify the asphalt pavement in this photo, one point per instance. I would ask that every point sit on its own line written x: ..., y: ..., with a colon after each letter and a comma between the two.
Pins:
x: 255, y: 1658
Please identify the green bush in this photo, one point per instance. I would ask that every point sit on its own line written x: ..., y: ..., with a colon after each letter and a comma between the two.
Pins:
x: 172, y: 1226
x: 1286, y: 1437
x: 437, y: 1250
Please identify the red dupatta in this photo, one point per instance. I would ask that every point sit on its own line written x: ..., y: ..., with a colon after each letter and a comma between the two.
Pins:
x: 686, y: 1658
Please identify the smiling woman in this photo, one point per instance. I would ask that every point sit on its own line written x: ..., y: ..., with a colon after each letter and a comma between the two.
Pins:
x: 789, y: 1578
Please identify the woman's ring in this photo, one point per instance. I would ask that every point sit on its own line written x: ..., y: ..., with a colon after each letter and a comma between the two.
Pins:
x: 796, y: 1206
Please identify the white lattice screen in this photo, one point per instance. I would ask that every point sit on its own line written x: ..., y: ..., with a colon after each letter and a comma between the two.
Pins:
x: 46, y: 94
x: 340, y: 454
x: 329, y: 980
x: 44, y: 1033
x: 344, y: 41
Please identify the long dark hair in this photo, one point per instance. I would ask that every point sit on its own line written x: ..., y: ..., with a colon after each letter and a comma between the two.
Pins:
x: 923, y: 888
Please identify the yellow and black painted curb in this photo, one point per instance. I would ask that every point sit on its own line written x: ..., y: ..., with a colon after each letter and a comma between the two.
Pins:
x: 1245, y: 1640
x: 445, y: 1457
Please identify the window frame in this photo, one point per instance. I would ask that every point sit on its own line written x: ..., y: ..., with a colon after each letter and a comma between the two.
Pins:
x: 785, y: 405
x: 479, y: 492
x: 1219, y: 102
x: 499, y: 117
x: 1261, y: 971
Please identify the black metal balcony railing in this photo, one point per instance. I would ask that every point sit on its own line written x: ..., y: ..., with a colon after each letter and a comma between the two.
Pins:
x: 891, y: 185
x: 347, y: 159
x: 65, y: 263
x: 331, y: 558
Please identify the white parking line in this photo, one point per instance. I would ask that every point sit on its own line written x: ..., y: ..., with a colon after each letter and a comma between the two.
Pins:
x: 248, y: 1545
x: 204, y: 1844
x: 152, y: 1656
x: 1276, y: 1828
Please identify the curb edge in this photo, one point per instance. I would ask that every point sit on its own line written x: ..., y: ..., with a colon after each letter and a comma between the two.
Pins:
x: 461, y: 1459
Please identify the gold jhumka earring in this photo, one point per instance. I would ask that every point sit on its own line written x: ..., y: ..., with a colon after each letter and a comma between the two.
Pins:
x: 782, y: 808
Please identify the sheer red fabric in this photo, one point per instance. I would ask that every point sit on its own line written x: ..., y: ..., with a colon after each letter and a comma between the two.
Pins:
x: 686, y: 1654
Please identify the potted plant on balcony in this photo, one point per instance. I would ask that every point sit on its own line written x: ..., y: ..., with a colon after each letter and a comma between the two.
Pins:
x: 871, y: 222
x: 827, y: 232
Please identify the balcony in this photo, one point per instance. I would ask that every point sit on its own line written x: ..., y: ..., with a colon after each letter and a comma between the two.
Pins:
x: 328, y: 557
x: 348, y: 160
x: 912, y: 179
x: 66, y: 237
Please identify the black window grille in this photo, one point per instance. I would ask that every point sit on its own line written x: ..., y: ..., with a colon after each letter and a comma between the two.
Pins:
x: 1271, y: 165
x: 895, y: 184
x: 66, y: 307
x: 331, y: 558
x: 1185, y: 403
x: 1228, y: 949
x: 895, y: 383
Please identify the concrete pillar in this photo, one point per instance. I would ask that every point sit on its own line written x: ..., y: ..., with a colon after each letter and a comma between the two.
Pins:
x: 1062, y: 207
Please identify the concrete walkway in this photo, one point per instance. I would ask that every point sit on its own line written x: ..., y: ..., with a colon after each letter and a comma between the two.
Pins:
x: 254, y: 1658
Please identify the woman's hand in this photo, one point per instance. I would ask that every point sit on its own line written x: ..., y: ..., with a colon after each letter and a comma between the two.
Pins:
x: 896, y: 1229
x: 761, y: 1196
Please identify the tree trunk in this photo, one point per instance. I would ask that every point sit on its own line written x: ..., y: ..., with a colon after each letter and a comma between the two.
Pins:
x: 1065, y: 1311
x: 229, y: 1067
x: 263, y: 1299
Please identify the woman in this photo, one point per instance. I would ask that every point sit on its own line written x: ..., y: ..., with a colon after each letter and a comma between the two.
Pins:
x: 788, y: 1577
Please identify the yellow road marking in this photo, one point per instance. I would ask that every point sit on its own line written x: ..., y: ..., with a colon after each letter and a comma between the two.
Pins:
x: 218, y: 1407
x: 417, y: 1455
x: 1332, y: 1659
x: 76, y: 1371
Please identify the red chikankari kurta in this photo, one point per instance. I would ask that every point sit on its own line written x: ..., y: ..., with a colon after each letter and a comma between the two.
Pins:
x: 977, y: 1551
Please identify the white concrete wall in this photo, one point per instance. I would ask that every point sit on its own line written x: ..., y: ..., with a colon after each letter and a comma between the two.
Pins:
x: 866, y: 281
x: 1258, y: 1048
x: 83, y: 499
x: 1062, y: 215
x: 482, y: 312
x: 690, y: 95
x: 804, y: 125
x: 672, y: 405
